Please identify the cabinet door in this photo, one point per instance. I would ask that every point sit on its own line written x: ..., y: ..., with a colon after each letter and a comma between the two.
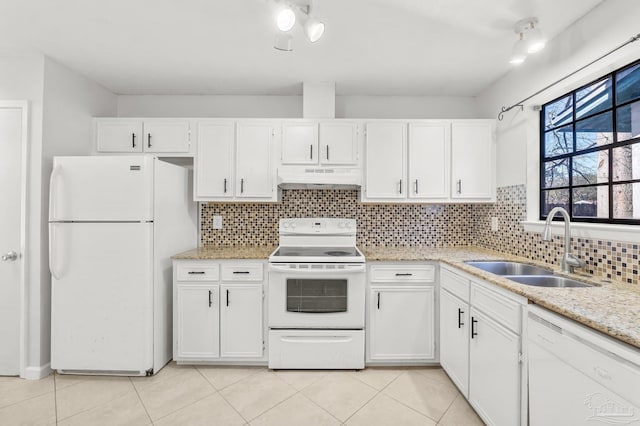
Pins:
x: 338, y: 143
x: 429, y: 157
x: 402, y: 321
x: 472, y: 160
x: 454, y: 339
x: 198, y: 321
x: 241, y: 321
x: 166, y: 136
x: 300, y: 143
x: 254, y: 174
x: 385, y: 158
x: 118, y: 135
x: 214, y: 160
x: 494, y: 371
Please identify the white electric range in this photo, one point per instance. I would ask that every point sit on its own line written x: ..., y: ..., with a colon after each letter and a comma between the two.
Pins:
x: 317, y: 296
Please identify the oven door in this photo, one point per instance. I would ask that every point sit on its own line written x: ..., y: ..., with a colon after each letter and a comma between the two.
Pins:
x: 316, y: 295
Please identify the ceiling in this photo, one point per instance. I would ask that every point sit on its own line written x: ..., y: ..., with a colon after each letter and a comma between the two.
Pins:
x: 370, y: 47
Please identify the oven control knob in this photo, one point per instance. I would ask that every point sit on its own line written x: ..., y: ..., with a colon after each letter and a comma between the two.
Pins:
x: 285, y: 225
x: 293, y: 226
x: 341, y: 225
x: 350, y: 225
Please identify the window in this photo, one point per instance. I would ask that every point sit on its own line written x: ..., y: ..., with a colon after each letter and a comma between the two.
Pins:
x: 590, y: 150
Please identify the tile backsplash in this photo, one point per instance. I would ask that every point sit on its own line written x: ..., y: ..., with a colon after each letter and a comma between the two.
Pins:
x: 378, y: 224
x: 604, y: 258
x: 448, y: 225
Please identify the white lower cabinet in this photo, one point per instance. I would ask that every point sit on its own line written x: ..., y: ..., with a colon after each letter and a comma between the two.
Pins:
x: 494, y: 370
x: 198, y: 321
x: 481, y: 347
x: 454, y: 339
x: 401, y: 314
x: 218, y: 313
x: 241, y: 321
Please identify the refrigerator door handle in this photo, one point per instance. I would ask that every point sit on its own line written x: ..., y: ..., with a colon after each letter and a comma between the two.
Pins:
x: 53, y: 192
x: 52, y: 251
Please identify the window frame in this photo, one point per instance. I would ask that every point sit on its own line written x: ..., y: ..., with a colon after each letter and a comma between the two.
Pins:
x: 610, y: 183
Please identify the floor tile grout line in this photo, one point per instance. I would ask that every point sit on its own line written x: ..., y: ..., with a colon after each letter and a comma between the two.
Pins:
x: 140, y: 399
x: 271, y: 408
x: 222, y: 396
x: 319, y: 406
x: 411, y: 408
x: 230, y: 384
x: 27, y: 399
x: 362, y: 406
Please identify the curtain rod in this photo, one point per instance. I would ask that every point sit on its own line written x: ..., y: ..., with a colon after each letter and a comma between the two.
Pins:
x: 521, y: 103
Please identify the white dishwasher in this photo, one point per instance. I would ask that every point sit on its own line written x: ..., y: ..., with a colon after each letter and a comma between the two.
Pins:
x: 578, y: 376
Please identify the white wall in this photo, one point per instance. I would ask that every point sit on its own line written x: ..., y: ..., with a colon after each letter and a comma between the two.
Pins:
x: 70, y: 101
x: 602, y: 29
x: 291, y: 106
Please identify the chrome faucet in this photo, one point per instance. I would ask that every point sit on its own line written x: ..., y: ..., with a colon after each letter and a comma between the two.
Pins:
x: 569, y: 261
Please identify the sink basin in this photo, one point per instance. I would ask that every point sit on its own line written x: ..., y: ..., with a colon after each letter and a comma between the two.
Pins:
x: 499, y: 267
x: 547, y: 281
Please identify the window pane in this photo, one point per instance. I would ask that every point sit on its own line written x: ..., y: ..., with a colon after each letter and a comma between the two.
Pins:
x: 592, y: 168
x: 558, y: 113
x: 594, y: 131
x: 592, y: 201
x: 555, y: 198
x: 626, y: 201
x: 558, y: 141
x: 626, y: 162
x: 628, y: 84
x: 628, y: 121
x: 594, y: 98
x: 556, y: 173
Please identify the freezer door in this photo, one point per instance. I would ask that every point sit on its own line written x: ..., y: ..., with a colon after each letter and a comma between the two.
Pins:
x: 101, y: 296
x: 101, y: 188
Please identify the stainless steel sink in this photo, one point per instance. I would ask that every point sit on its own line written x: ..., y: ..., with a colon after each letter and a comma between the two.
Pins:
x: 500, y: 267
x: 546, y: 281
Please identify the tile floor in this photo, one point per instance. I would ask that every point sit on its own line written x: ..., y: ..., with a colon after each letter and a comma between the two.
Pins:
x: 187, y: 395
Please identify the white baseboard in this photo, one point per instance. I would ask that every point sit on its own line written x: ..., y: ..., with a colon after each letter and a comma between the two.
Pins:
x: 37, y: 373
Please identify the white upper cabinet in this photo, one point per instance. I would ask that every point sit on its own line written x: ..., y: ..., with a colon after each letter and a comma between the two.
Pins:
x: 429, y: 158
x: 385, y: 161
x: 114, y: 135
x: 131, y: 135
x: 324, y: 143
x: 300, y: 143
x: 338, y: 143
x: 254, y: 170
x: 473, y: 160
x: 214, y: 163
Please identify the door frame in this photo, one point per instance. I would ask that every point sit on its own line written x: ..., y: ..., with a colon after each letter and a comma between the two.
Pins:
x: 23, y: 105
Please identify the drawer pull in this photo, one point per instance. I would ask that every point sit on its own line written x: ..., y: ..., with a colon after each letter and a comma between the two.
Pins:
x: 210, y: 295
x: 460, y: 323
x: 241, y: 272
x: 196, y: 272
x: 407, y: 274
x: 473, y: 327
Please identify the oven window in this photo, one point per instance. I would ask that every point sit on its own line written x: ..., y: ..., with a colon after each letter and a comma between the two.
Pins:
x: 316, y: 295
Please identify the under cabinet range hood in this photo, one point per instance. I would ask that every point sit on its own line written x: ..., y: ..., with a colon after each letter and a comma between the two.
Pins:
x: 311, y: 177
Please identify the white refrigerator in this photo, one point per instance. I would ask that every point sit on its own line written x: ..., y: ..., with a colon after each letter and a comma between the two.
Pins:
x: 114, y: 223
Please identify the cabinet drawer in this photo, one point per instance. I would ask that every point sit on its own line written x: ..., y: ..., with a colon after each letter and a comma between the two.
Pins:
x: 198, y: 272
x: 242, y: 272
x: 455, y: 283
x: 497, y: 305
x: 403, y: 273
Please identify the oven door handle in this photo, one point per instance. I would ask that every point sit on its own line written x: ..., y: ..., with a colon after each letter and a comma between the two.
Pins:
x: 348, y: 269
x: 316, y: 339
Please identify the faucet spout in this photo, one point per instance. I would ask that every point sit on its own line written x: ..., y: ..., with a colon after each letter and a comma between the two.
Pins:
x: 569, y: 260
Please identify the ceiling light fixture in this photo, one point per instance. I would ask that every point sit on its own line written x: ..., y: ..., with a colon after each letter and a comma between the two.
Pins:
x: 290, y: 12
x: 531, y: 40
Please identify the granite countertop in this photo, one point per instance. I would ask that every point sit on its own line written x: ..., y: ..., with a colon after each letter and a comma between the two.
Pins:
x: 226, y: 252
x: 611, y: 307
